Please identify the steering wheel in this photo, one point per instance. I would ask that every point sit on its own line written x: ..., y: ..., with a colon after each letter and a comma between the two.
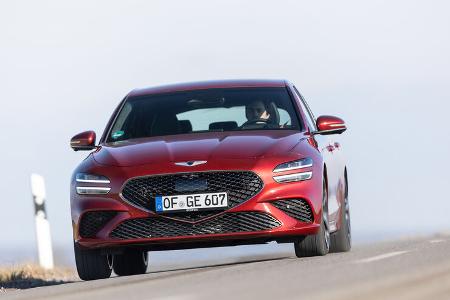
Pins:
x: 255, y: 121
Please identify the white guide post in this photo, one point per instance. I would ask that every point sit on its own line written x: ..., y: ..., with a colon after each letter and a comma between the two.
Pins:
x: 44, y: 241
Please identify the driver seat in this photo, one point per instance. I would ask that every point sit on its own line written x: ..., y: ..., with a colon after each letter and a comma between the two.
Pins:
x: 272, y: 109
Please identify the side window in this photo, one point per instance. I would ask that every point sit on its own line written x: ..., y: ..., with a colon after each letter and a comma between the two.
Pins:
x: 285, y: 118
x: 309, y: 115
x: 118, y: 131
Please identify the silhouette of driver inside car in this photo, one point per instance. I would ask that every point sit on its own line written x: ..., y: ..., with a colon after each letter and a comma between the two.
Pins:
x: 260, y: 115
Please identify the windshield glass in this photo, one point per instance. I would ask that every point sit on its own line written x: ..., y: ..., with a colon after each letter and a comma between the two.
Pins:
x: 232, y: 109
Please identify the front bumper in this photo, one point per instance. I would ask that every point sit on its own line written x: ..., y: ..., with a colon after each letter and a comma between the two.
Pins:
x: 284, y: 225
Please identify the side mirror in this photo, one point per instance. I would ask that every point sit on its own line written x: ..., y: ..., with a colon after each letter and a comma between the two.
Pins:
x: 83, y: 141
x: 330, y: 125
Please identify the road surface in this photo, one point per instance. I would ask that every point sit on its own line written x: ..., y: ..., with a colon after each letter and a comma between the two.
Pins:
x: 409, y: 268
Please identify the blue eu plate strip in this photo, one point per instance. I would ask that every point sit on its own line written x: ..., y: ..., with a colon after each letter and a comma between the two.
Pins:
x: 158, y: 203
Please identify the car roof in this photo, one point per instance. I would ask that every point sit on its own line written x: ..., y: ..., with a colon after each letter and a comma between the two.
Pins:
x: 201, y: 85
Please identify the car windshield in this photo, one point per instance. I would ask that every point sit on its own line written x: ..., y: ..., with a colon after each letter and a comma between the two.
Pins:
x: 211, y: 110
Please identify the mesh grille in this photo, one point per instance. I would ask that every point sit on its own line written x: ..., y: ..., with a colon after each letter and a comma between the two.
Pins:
x: 226, y: 223
x: 240, y: 186
x: 296, y: 208
x: 93, y: 221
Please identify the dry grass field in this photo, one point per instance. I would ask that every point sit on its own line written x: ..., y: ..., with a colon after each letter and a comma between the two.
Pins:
x: 26, y: 276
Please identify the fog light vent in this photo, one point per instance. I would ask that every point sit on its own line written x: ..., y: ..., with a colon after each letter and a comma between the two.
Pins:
x: 92, y: 222
x: 296, y: 208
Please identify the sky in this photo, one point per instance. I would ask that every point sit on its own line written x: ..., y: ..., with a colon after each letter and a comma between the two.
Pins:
x: 383, y: 66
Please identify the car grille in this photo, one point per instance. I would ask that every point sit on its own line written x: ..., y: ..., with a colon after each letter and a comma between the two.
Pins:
x: 226, y: 223
x: 91, y: 222
x: 239, y: 185
x: 296, y: 208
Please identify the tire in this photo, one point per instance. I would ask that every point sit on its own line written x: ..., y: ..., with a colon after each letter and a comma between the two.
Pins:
x: 131, y: 262
x: 92, y: 264
x: 319, y: 243
x: 341, y: 240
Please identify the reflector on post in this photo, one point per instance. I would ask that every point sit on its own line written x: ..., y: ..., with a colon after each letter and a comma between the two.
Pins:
x: 43, y: 237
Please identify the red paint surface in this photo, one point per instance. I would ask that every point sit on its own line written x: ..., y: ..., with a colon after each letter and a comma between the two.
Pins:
x: 258, y: 151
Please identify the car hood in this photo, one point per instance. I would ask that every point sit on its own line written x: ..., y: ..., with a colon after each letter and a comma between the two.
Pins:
x: 199, y: 146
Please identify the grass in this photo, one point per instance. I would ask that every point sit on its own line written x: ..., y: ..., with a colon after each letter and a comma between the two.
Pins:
x: 27, y: 276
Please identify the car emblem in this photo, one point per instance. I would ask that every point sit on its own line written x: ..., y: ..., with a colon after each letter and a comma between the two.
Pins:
x: 191, y: 163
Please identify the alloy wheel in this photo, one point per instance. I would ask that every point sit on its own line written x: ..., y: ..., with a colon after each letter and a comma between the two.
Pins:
x: 347, y: 219
x: 325, y: 218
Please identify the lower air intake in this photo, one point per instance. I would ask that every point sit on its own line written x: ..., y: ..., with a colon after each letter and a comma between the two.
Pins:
x: 226, y: 223
x: 296, y: 208
x: 93, y: 221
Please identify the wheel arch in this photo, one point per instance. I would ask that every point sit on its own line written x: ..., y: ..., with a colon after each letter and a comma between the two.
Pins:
x: 325, y: 175
x: 346, y: 181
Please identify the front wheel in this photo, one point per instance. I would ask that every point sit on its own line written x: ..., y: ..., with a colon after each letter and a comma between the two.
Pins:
x: 341, y: 240
x: 92, y: 264
x: 131, y: 262
x: 317, y: 244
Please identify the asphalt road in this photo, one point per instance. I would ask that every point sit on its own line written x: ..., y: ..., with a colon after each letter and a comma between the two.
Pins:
x: 413, y: 268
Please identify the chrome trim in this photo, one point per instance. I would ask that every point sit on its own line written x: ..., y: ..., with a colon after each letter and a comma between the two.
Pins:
x: 293, y: 177
x: 82, y: 175
x: 292, y: 168
x: 83, y: 190
x: 276, y: 170
x: 191, y: 163
x: 92, y: 181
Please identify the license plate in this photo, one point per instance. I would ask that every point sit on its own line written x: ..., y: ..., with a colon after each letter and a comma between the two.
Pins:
x: 192, y: 202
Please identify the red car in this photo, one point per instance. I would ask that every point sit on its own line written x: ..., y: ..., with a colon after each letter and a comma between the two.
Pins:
x: 207, y: 164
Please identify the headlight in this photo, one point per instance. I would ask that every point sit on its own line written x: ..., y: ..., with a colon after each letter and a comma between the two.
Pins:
x: 90, y: 178
x: 294, y: 165
x: 92, y: 190
x: 293, y: 177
